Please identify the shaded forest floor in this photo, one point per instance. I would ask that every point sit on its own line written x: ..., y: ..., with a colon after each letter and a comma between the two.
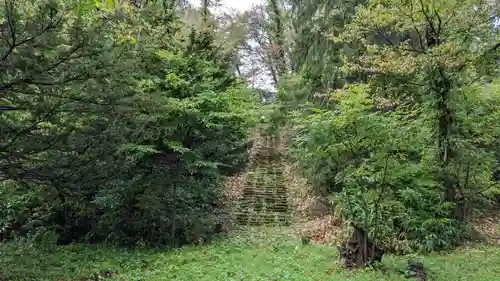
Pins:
x: 254, y: 254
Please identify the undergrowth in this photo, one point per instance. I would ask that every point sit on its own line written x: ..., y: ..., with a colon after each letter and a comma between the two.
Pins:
x: 255, y: 254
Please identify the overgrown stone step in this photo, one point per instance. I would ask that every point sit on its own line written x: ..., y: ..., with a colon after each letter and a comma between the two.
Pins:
x: 268, y: 167
x: 266, y: 156
x: 266, y: 175
x: 276, y: 193
x: 255, y: 220
x: 268, y: 192
x: 263, y: 189
x: 272, y: 198
x: 265, y: 183
x: 267, y: 215
x: 266, y: 187
x: 276, y: 209
x: 268, y: 182
x: 270, y: 203
x: 264, y: 178
x: 265, y: 200
x: 246, y: 203
x: 249, y: 202
x: 250, y: 205
x: 269, y: 218
x: 263, y: 208
x: 258, y: 222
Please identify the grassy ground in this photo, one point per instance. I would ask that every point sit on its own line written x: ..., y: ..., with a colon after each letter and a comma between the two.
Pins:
x: 256, y: 255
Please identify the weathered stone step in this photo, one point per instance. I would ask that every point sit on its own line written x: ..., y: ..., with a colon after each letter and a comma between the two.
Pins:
x: 267, y: 183
x: 250, y: 202
x: 263, y: 217
x: 268, y: 168
x: 262, y: 208
x: 248, y: 212
x: 256, y: 220
x: 272, y: 194
x: 268, y: 193
x: 254, y: 206
x: 273, y: 223
x: 266, y: 200
x: 276, y: 209
x: 264, y: 188
x: 264, y: 197
x: 267, y: 187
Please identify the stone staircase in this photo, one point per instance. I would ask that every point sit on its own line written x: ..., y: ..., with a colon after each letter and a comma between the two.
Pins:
x: 265, y: 196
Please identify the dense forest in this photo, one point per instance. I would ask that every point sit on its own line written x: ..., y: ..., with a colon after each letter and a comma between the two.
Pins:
x: 125, y: 122
x: 400, y: 125
x: 121, y: 121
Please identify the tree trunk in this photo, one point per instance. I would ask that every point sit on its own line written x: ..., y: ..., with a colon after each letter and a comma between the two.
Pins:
x: 442, y: 87
x: 359, y: 251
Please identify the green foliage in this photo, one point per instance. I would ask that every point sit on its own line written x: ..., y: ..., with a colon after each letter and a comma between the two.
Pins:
x: 317, y: 58
x: 260, y: 255
x: 130, y: 121
x: 410, y: 154
x: 381, y: 168
x: 197, y: 122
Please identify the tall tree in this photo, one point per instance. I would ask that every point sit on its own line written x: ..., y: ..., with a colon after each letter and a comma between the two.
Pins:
x: 443, y: 46
x: 278, y: 35
x: 314, y: 54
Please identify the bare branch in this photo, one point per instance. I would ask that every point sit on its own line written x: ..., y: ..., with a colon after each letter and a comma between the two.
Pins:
x: 415, y: 27
x: 454, y: 11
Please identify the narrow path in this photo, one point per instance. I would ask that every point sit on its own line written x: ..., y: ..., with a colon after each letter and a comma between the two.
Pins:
x: 265, y: 196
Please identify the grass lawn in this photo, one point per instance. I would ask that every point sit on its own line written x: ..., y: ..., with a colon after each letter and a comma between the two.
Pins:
x: 263, y: 254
